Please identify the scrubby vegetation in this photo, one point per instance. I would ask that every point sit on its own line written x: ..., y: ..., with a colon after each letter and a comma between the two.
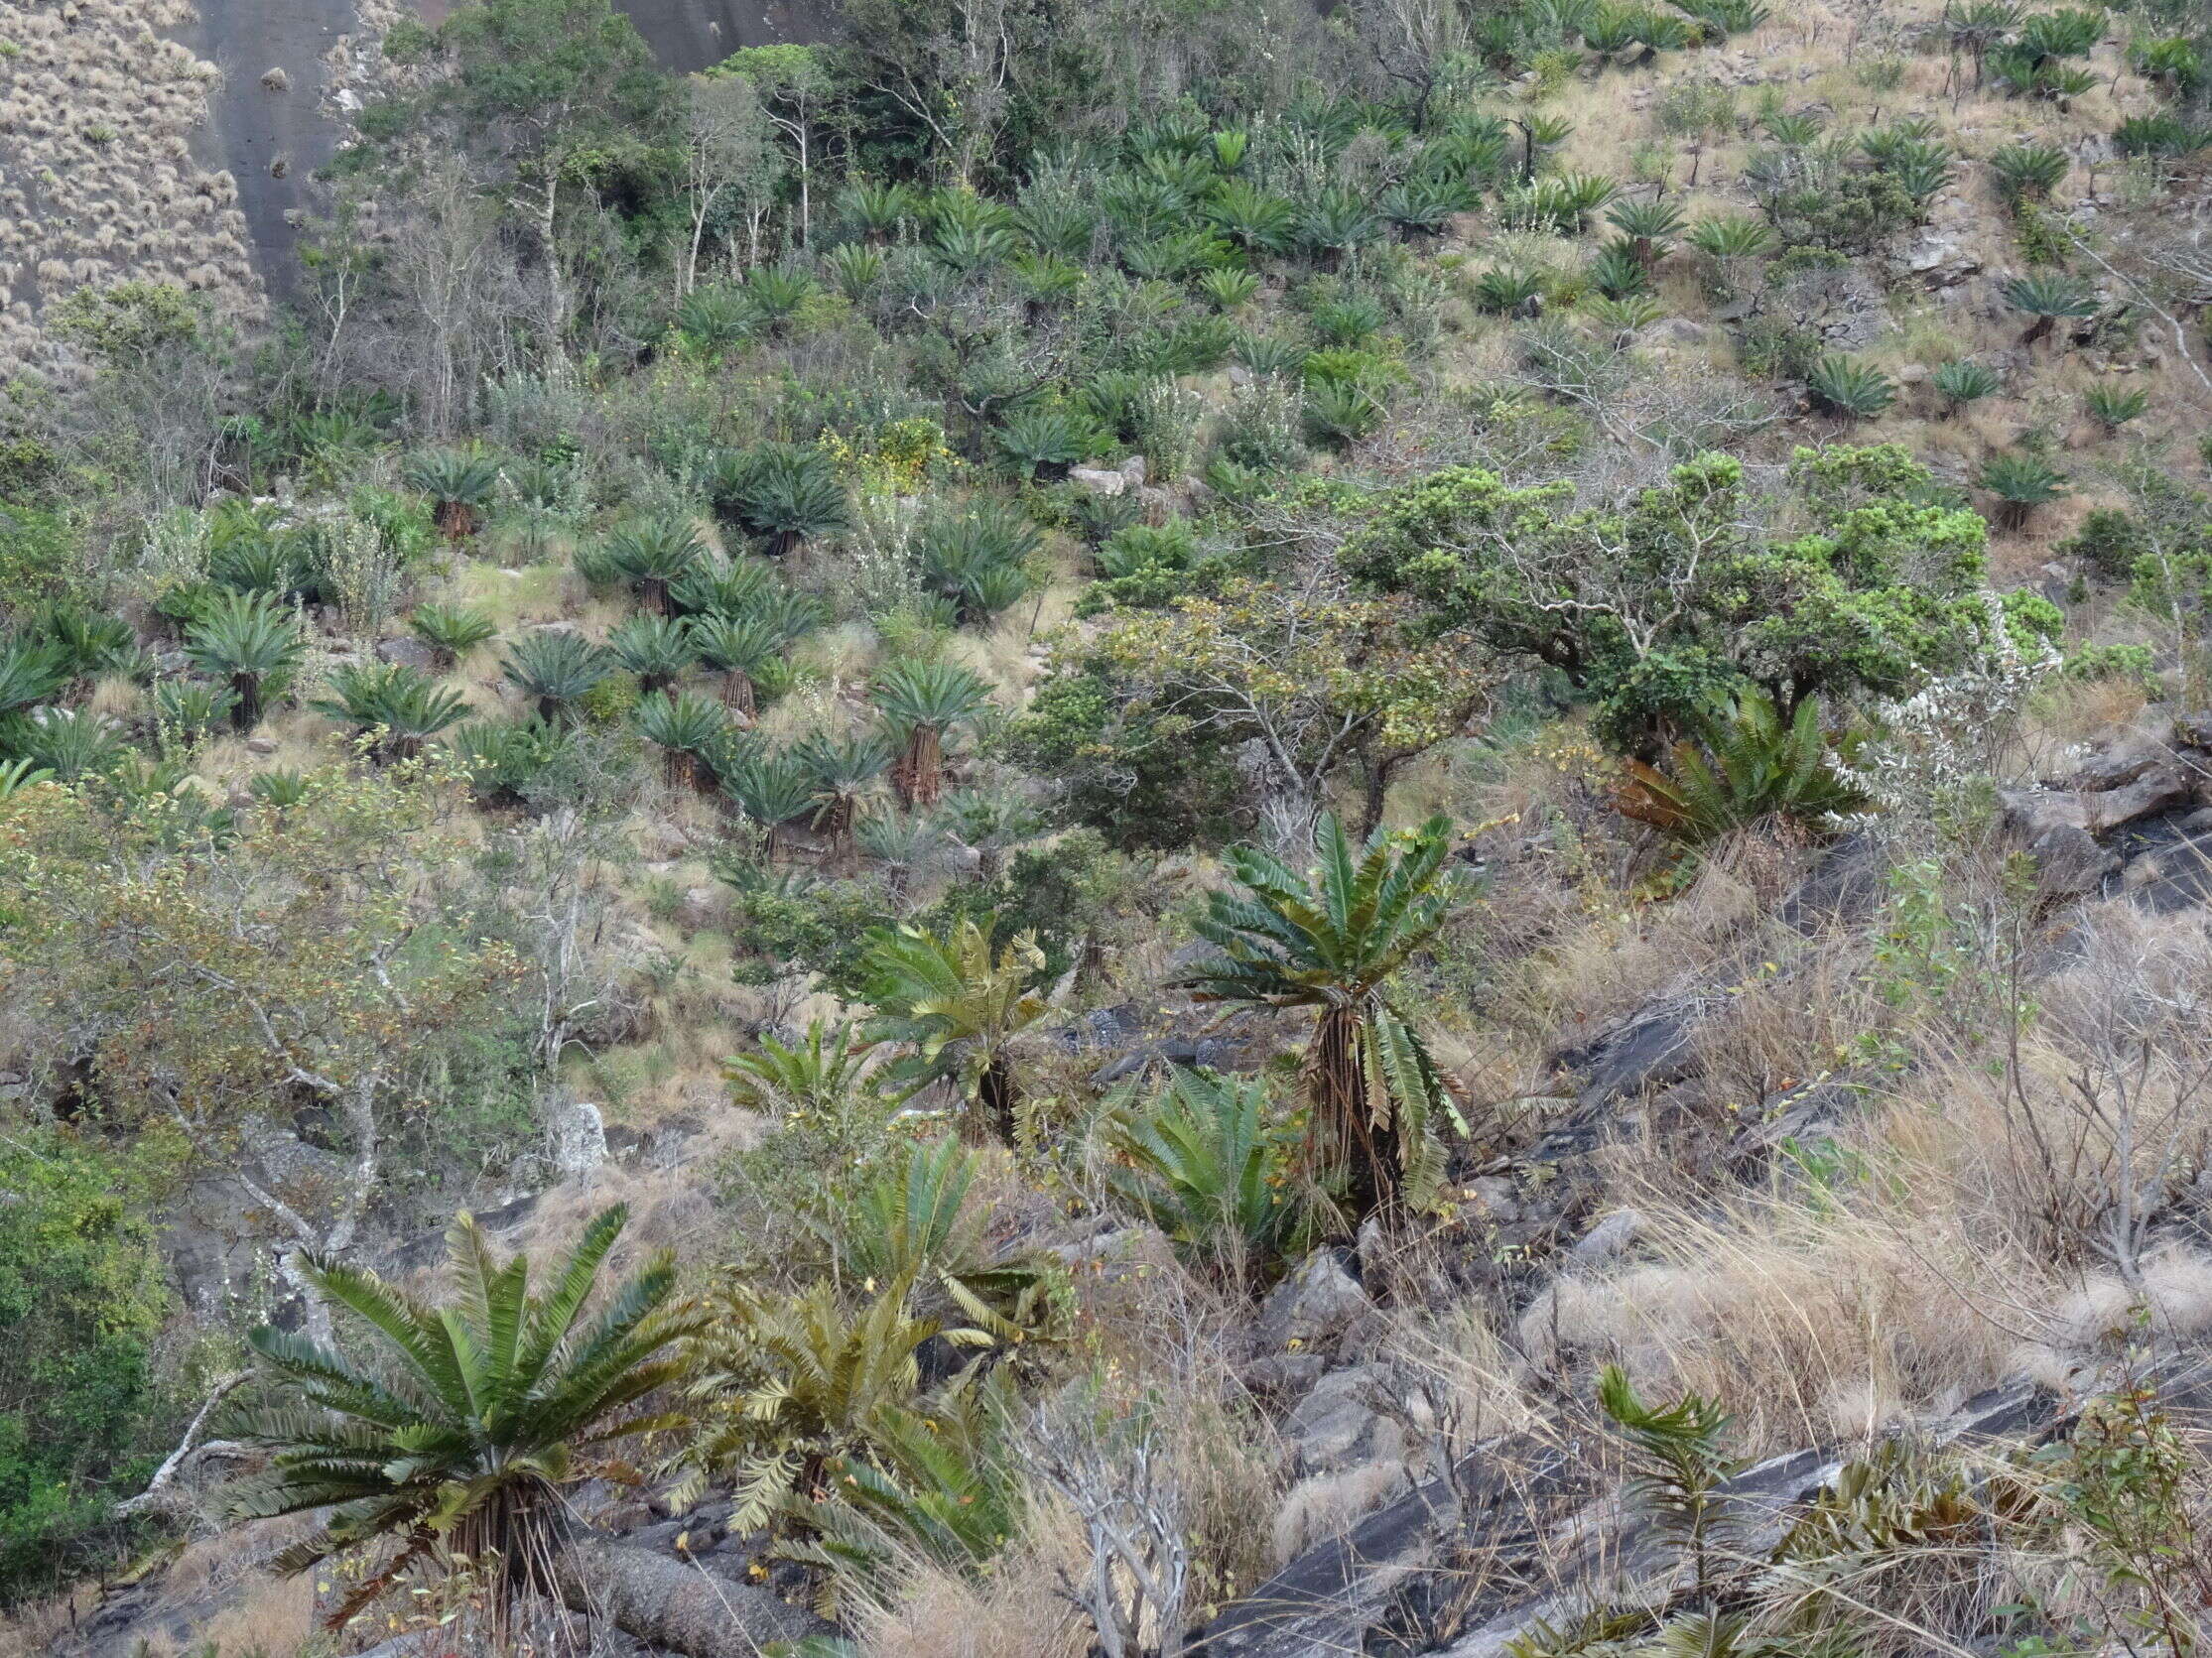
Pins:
x: 1085, y: 791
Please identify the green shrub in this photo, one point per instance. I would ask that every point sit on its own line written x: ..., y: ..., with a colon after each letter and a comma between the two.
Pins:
x: 81, y: 1303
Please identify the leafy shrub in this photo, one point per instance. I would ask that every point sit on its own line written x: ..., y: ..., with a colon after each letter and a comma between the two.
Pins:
x: 82, y: 1300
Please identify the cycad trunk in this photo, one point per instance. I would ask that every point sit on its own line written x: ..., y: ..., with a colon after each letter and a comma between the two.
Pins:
x: 920, y: 773
x: 660, y: 1601
x: 456, y: 520
x: 1345, y: 1137
x: 997, y: 1096
x: 738, y: 692
x: 245, y: 707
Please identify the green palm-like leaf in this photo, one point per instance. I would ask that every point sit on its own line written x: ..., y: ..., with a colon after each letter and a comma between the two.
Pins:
x: 461, y: 1419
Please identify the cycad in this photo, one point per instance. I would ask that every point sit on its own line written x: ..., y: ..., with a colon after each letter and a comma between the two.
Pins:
x: 402, y: 705
x: 186, y: 710
x: 1678, y: 1468
x: 686, y: 728
x: 842, y: 769
x: 1966, y: 381
x: 923, y: 702
x: 740, y: 649
x: 70, y: 744
x: 827, y: 1080
x: 1336, y: 222
x: 958, y: 1003
x: 2113, y: 407
x: 1734, y: 236
x: 737, y: 587
x: 452, y: 631
x: 876, y: 211
x: 30, y: 673
x: 1228, y: 288
x: 1850, y: 389
x: 2027, y: 171
x: 2022, y: 482
x: 452, y: 1426
x: 503, y: 760
x: 1503, y: 289
x: 1329, y: 940
x: 654, y: 554
x: 1203, y: 1162
x: 1252, y: 217
x: 1038, y: 438
x: 459, y: 483
x: 976, y: 559
x: 1740, y: 764
x: 785, y: 1387
x: 912, y: 1224
x: 773, y: 790
x: 789, y: 496
x: 252, y: 643
x: 654, y: 648
x: 2047, y: 298
x: 556, y: 668
x: 1649, y: 226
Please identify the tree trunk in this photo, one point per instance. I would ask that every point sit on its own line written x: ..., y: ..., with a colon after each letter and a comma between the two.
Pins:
x: 738, y: 692
x: 1344, y: 1137
x: 245, y: 707
x: 996, y: 1093
x: 660, y: 1601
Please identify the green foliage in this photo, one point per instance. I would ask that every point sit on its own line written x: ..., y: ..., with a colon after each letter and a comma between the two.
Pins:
x: 1679, y: 1467
x: 2114, y: 406
x: 1142, y: 776
x: 556, y: 668
x: 505, y: 763
x: 1202, y: 1161
x: 1740, y: 765
x: 958, y: 1003
x: 451, y: 630
x: 1329, y: 940
x: 2109, y: 541
x: 127, y: 323
x: 81, y: 1305
x: 402, y: 705
x: 1887, y: 591
x: 1850, y: 389
x: 454, y: 1425
x: 1617, y: 273
x: 250, y: 641
x: 1966, y: 381
x: 2022, y: 482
